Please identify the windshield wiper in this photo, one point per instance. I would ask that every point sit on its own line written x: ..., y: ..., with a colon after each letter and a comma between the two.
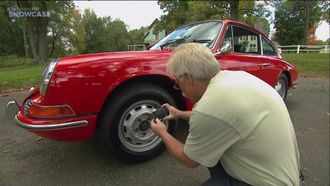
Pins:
x: 181, y: 40
x: 200, y: 40
x: 171, y: 41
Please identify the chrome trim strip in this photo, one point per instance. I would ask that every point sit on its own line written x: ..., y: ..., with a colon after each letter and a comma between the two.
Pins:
x: 57, y: 126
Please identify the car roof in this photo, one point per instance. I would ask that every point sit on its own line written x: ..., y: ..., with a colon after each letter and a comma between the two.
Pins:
x: 225, y: 21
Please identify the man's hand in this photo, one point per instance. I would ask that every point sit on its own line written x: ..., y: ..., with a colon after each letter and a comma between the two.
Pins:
x: 175, y: 113
x: 158, y: 127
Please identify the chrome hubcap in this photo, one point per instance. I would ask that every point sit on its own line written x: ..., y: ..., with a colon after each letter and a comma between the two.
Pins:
x: 134, y: 130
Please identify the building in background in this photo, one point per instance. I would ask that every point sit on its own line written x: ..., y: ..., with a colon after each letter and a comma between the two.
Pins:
x: 150, y: 38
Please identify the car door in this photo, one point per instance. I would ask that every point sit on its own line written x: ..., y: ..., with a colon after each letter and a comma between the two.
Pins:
x: 270, y: 58
x: 245, y: 54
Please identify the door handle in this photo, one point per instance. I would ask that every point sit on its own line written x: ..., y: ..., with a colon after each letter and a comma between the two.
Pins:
x: 265, y: 64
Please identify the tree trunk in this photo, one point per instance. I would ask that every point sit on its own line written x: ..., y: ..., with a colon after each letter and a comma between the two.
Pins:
x: 234, y: 9
x: 25, y: 41
x: 307, y: 4
x: 53, y: 43
x: 33, y: 41
x: 43, y: 40
x: 42, y: 35
x: 37, y: 30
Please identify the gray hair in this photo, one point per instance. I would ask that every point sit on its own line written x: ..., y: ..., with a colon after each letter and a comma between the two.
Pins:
x: 194, y: 59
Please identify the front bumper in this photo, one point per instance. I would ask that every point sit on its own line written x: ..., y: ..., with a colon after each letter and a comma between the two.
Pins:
x: 13, y: 108
x: 71, y: 129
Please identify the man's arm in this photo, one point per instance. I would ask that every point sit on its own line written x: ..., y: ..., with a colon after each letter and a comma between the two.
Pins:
x: 174, y: 146
x: 185, y: 115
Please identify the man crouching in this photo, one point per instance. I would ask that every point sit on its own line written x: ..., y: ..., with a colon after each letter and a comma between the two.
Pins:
x: 239, y: 127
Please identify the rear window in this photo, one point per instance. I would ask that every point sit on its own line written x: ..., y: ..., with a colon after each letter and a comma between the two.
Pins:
x: 267, y: 48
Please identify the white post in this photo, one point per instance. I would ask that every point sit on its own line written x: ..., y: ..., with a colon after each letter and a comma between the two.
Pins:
x: 326, y: 49
x: 298, y: 49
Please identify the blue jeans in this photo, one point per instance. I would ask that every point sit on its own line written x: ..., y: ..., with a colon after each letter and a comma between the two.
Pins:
x: 220, y: 177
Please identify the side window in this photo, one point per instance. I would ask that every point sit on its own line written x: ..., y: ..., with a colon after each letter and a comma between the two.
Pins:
x: 228, y: 37
x: 267, y: 48
x: 245, y: 41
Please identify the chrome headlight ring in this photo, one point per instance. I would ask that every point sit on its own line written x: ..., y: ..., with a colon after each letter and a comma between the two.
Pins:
x: 46, y: 76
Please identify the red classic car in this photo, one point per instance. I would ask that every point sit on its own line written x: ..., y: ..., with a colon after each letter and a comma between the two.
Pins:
x: 113, y: 94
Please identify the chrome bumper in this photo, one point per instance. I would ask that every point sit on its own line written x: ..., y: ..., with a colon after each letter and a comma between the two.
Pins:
x: 13, y: 108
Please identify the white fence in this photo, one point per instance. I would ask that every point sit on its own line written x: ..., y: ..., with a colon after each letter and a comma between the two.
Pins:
x: 304, y: 49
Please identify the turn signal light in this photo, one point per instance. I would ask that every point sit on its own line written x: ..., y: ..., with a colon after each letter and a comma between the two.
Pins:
x: 58, y: 111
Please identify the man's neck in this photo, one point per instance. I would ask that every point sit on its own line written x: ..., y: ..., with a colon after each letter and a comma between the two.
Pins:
x: 200, y: 89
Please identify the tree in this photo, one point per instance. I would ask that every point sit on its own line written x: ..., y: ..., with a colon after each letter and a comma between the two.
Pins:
x: 77, y: 35
x: 255, y: 14
x: 95, y: 32
x: 102, y: 34
x: 234, y: 4
x: 183, y: 12
x: 11, y: 32
x: 34, y: 29
x: 136, y: 36
x: 118, y: 37
x: 37, y: 30
x: 327, y: 42
x: 325, y: 6
x: 30, y: 35
x: 63, y: 31
x: 296, y: 21
x: 177, y: 13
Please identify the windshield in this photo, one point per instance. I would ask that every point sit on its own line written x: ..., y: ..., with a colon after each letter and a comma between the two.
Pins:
x: 205, y: 33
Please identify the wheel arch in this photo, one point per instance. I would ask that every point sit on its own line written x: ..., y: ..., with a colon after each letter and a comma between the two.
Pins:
x: 158, y: 80
x: 288, y: 75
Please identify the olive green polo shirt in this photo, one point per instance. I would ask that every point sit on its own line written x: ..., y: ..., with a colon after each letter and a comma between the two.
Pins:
x: 243, y: 122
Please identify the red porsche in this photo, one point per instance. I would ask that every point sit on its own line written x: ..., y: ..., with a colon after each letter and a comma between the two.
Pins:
x: 113, y: 94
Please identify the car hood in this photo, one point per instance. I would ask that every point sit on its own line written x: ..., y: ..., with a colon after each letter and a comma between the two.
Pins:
x: 122, y: 57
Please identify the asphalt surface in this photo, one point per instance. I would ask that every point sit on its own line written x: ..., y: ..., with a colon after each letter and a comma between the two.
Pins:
x: 26, y: 159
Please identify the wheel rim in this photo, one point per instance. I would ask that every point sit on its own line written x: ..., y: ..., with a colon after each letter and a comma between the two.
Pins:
x: 280, y: 87
x: 134, y: 130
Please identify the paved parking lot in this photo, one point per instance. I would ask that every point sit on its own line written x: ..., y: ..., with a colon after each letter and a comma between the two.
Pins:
x: 26, y: 159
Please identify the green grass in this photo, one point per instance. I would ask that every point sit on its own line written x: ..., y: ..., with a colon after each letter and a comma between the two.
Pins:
x: 18, y: 72
x: 310, y: 64
x: 19, y: 76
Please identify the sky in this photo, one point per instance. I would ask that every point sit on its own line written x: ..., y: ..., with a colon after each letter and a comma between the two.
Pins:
x: 142, y: 13
x: 134, y: 13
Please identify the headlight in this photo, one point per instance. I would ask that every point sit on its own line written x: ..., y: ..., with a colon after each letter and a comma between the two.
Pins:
x: 46, y: 76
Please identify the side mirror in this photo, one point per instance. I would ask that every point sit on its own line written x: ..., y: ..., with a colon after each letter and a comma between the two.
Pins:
x: 225, y: 48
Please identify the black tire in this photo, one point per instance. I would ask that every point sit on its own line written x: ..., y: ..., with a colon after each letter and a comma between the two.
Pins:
x: 282, y: 86
x: 125, y: 120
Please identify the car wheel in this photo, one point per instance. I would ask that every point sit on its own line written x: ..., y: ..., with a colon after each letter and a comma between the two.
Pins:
x: 125, y: 122
x: 281, y: 86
